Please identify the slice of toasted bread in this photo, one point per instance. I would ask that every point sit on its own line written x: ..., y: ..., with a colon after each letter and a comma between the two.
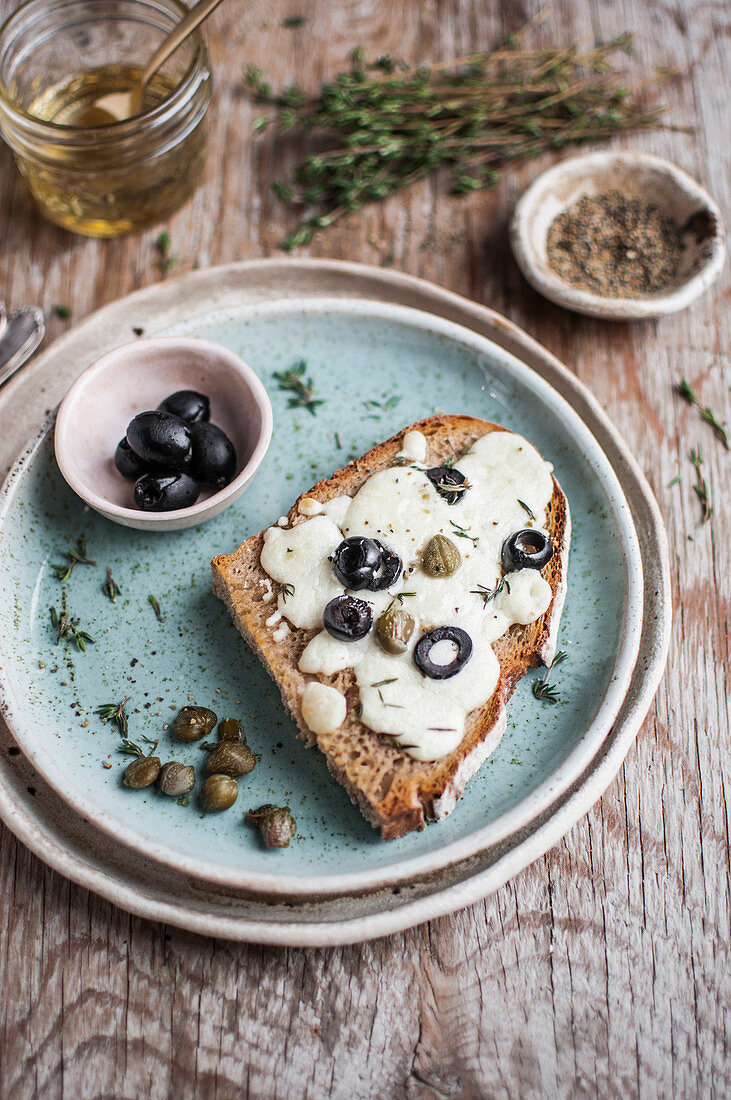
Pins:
x: 395, y: 792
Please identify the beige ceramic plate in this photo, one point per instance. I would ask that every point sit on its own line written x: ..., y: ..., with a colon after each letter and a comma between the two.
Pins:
x: 78, y: 850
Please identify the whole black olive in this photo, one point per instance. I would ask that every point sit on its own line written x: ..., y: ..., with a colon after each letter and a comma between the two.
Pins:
x: 423, y: 648
x: 356, y: 562
x: 165, y: 492
x: 127, y: 462
x: 190, y: 406
x: 214, y: 455
x: 347, y: 618
x: 448, y: 482
x: 160, y: 438
x: 526, y: 549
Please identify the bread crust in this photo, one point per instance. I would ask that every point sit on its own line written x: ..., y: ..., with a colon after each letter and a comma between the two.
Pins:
x: 396, y: 793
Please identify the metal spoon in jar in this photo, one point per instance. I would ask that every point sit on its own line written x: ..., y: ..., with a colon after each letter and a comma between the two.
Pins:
x: 120, y: 105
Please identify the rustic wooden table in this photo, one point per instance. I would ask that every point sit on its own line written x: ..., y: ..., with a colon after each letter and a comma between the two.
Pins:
x: 604, y: 967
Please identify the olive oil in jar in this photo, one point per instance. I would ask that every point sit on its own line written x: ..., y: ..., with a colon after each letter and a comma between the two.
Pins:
x: 103, y: 178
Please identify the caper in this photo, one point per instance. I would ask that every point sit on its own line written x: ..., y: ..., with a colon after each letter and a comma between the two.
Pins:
x: 143, y: 771
x: 394, y: 629
x: 176, y: 779
x: 192, y: 723
x: 441, y: 557
x: 231, y: 730
x: 231, y: 759
x: 275, y: 823
x: 219, y: 792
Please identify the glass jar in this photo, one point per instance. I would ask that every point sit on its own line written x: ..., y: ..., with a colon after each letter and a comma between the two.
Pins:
x: 57, y: 57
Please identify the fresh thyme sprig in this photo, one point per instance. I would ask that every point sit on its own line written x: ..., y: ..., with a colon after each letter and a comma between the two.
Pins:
x: 463, y: 533
x: 707, y: 413
x: 701, y: 488
x: 62, y: 572
x: 294, y: 381
x: 116, y: 714
x: 462, y: 452
x: 133, y: 749
x: 111, y: 588
x: 67, y: 628
x: 487, y: 595
x: 542, y: 689
x: 398, y: 599
x: 375, y: 408
x: 286, y: 591
x: 391, y: 125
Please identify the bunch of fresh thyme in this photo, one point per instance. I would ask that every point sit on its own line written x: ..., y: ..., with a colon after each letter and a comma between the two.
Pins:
x: 392, y: 125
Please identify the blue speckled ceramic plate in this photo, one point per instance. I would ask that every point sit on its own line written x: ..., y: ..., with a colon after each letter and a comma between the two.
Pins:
x: 413, y: 364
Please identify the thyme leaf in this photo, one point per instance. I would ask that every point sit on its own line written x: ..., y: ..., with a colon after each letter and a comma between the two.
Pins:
x: 77, y: 556
x: 67, y: 628
x: 165, y: 261
x: 396, y: 706
x: 116, y: 714
x: 154, y: 603
x: 62, y: 312
x: 461, y: 453
x: 399, y: 599
x: 543, y: 690
x: 525, y: 508
x: 701, y: 488
x: 707, y: 413
x: 489, y: 594
x: 463, y: 533
x: 111, y: 588
x: 381, y: 406
x: 133, y: 749
x: 294, y: 381
x: 286, y: 591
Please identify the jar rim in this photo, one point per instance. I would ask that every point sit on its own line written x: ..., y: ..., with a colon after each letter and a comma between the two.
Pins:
x: 126, y: 127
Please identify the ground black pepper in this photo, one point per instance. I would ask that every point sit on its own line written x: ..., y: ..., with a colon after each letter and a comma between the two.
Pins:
x: 615, y: 245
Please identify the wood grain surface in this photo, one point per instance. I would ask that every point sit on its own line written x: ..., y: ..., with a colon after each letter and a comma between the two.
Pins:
x: 603, y: 969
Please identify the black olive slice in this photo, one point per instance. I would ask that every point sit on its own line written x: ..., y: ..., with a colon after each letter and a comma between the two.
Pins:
x: 423, y: 648
x: 359, y: 562
x: 526, y: 549
x: 347, y: 618
x: 389, y: 571
x: 448, y: 482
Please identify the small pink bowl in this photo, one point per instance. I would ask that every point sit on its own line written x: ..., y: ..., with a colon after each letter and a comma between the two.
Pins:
x: 94, y: 415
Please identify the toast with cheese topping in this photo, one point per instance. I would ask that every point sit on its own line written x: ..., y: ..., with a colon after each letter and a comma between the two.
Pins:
x: 402, y: 732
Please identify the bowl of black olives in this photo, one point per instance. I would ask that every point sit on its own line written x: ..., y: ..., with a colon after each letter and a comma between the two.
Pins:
x: 163, y: 434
